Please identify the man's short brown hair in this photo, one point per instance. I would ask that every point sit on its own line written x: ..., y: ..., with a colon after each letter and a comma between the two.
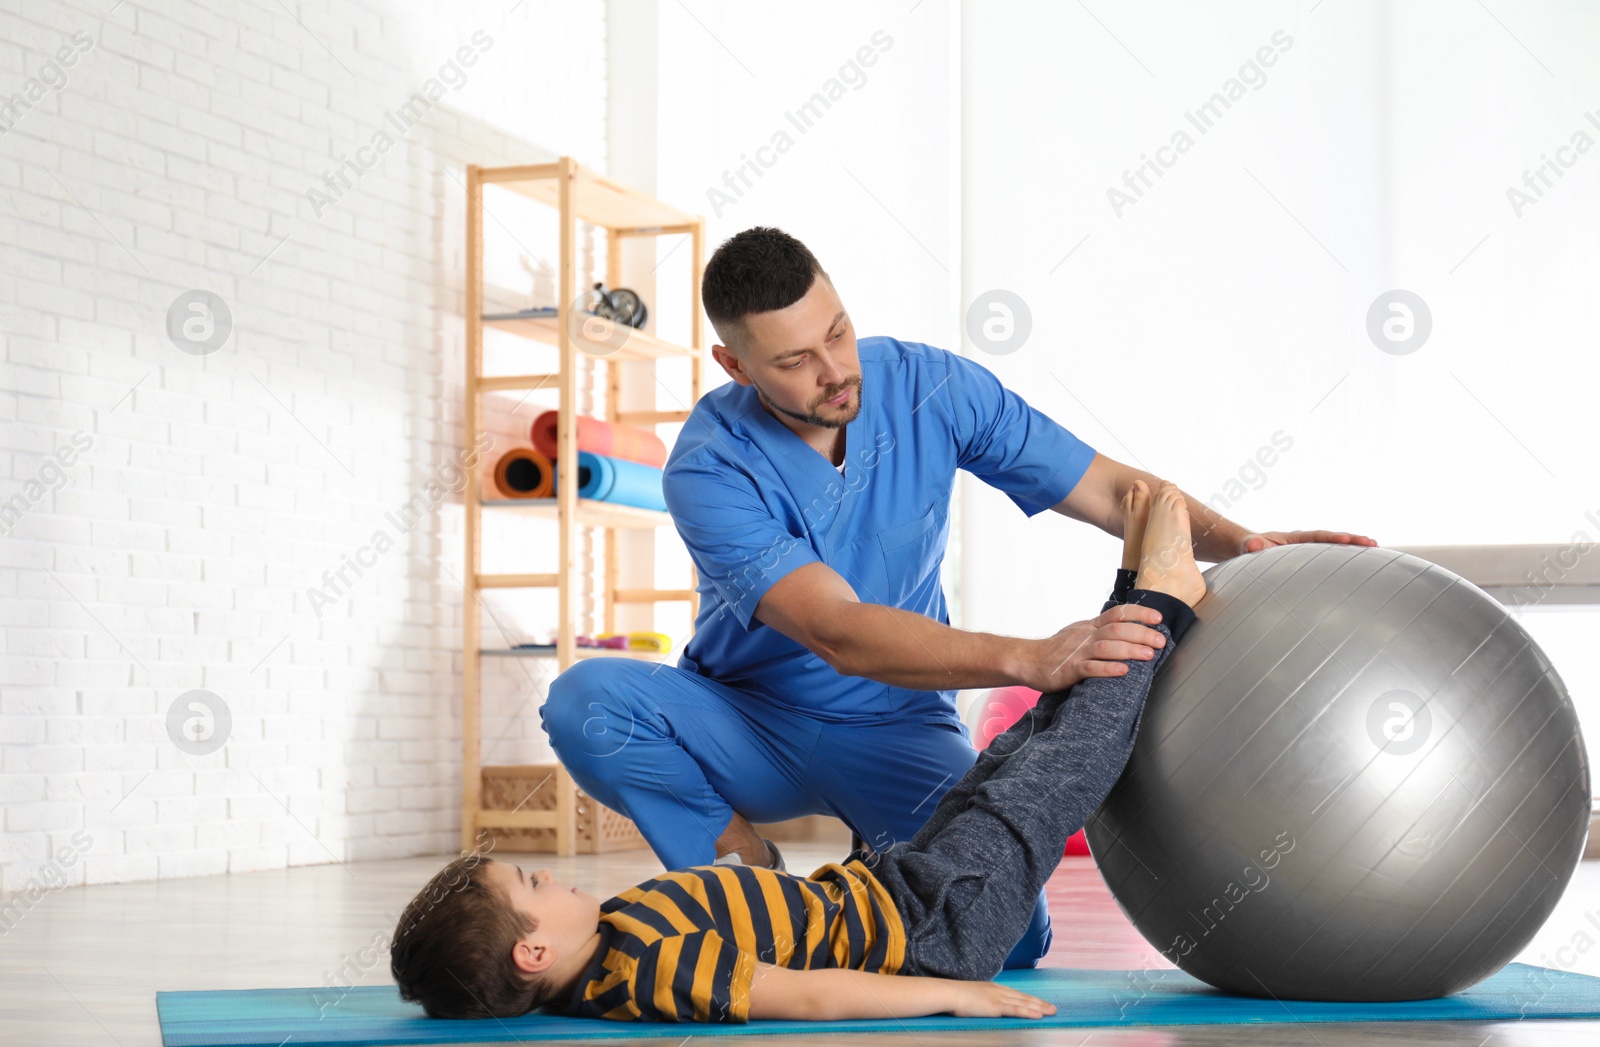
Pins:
x: 756, y: 271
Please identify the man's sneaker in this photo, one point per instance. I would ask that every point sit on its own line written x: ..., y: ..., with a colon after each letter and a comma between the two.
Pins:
x: 774, y: 856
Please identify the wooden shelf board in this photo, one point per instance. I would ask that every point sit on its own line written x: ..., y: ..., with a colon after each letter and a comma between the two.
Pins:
x: 591, y: 512
x: 582, y: 652
x: 595, y: 198
x: 595, y: 337
x: 642, y: 418
x: 511, y: 770
x: 495, y: 818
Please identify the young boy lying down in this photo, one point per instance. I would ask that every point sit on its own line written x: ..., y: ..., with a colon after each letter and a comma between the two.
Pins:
x: 917, y: 929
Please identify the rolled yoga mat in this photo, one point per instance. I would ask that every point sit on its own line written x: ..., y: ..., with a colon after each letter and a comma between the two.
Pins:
x: 620, y: 481
x: 603, y: 438
x: 523, y: 472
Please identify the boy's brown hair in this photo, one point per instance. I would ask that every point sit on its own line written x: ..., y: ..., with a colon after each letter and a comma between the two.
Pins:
x: 452, y: 948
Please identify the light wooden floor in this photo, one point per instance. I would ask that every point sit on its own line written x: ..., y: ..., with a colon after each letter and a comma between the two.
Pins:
x: 83, y: 966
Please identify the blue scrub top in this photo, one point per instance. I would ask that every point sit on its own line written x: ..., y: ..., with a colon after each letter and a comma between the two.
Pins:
x: 753, y: 501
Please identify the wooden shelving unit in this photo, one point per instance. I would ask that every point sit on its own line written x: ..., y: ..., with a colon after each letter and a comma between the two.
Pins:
x: 579, y: 195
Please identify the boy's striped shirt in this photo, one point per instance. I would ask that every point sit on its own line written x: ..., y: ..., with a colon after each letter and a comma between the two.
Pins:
x: 683, y: 946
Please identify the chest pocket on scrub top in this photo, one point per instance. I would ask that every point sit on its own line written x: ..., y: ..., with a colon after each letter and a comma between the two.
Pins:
x: 911, y: 553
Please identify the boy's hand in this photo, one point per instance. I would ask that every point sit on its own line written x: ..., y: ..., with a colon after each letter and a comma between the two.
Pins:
x: 993, y: 1000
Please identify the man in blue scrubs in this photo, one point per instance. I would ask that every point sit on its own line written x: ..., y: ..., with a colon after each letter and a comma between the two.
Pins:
x: 813, y: 493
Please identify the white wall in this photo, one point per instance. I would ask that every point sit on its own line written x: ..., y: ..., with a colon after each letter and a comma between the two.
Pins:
x: 209, y: 493
x: 212, y: 498
x: 870, y: 184
x: 1224, y: 305
x: 1229, y: 302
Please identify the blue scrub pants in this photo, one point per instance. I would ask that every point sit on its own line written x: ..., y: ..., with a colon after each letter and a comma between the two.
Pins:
x: 679, y: 753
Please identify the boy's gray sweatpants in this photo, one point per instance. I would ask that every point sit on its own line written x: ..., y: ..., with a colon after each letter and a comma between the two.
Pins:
x: 967, y: 882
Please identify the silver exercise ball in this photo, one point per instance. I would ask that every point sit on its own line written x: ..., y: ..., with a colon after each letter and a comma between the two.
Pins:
x: 1357, y: 778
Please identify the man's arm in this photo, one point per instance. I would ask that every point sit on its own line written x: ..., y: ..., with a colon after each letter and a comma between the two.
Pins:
x: 836, y: 994
x: 814, y: 606
x: 1097, y: 499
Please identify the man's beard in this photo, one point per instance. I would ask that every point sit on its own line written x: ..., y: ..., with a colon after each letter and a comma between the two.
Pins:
x: 815, y: 419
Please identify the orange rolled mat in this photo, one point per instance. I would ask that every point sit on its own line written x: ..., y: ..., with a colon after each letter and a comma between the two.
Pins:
x: 605, y: 438
x: 523, y: 472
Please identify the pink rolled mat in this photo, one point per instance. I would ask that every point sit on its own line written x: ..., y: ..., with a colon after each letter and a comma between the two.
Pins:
x: 604, y: 438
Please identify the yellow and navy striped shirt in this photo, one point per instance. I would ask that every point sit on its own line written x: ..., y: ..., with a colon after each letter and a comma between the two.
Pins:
x: 683, y: 946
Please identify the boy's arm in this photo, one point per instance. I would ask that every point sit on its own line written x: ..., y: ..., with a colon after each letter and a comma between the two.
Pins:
x: 836, y: 994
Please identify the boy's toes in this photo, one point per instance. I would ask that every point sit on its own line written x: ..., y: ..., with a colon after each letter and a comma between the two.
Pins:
x: 1135, y: 513
x: 1135, y: 499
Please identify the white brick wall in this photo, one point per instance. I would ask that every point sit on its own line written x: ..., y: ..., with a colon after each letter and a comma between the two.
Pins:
x: 206, y: 494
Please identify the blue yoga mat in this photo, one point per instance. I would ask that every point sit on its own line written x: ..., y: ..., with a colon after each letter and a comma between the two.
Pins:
x: 618, y: 480
x: 375, y: 1014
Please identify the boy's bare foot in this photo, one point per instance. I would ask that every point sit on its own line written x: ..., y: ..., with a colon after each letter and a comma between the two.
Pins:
x: 1135, y: 510
x: 1166, y: 560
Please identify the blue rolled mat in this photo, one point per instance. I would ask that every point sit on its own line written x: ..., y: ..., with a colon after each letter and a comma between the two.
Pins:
x: 618, y: 480
x: 364, y: 1015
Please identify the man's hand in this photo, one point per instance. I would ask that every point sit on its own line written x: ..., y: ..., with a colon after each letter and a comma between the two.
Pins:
x: 1254, y: 543
x: 1098, y: 647
x: 993, y: 1000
